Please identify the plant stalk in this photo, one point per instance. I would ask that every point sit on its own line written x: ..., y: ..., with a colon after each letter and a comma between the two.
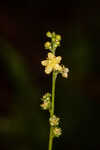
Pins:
x: 52, y: 109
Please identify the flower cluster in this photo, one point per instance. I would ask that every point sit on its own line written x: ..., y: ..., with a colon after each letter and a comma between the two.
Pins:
x: 46, y: 101
x: 54, y: 122
x: 52, y: 63
x: 55, y: 41
x: 57, y: 131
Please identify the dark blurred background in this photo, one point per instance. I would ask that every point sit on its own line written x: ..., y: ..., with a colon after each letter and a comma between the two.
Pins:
x: 23, y: 24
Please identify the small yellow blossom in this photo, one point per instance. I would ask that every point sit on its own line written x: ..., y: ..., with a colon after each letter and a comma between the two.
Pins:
x: 54, y: 121
x: 52, y: 63
x: 57, y: 131
x: 64, y: 72
x: 45, y: 105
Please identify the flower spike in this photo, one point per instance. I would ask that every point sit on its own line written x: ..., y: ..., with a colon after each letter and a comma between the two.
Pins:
x: 53, y: 65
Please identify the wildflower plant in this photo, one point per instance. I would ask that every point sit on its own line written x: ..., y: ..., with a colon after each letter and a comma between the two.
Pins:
x: 53, y: 65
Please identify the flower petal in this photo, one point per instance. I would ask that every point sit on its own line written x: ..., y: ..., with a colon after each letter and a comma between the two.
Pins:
x: 67, y: 70
x: 48, y: 69
x: 58, y: 59
x: 44, y: 62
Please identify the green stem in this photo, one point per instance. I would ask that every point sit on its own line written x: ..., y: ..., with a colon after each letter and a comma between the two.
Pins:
x: 52, y: 109
x: 50, y: 140
x: 53, y: 93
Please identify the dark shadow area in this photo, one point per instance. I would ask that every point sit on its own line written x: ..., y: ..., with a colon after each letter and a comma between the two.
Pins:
x: 23, y: 126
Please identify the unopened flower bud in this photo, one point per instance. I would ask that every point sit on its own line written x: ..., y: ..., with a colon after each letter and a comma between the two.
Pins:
x: 58, y: 37
x: 53, y: 39
x: 49, y: 34
x: 47, y: 45
x: 64, y: 72
x: 53, y: 35
x: 58, y: 43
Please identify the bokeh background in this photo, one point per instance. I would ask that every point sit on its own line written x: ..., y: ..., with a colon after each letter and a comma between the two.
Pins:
x: 23, y: 24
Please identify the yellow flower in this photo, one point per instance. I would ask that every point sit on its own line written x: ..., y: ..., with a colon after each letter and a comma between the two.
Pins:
x: 52, y: 63
x: 45, y: 105
x: 64, y: 72
x: 54, y: 121
x: 57, y: 131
